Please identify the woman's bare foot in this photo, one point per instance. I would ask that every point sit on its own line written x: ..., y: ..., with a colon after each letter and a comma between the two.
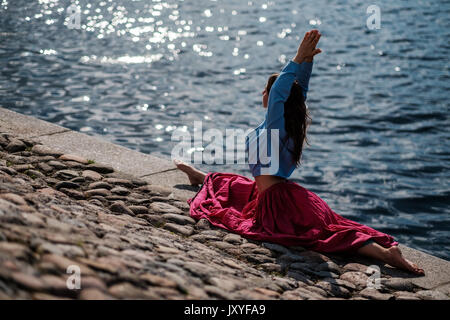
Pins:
x: 395, y: 258
x: 392, y: 256
x: 195, y: 176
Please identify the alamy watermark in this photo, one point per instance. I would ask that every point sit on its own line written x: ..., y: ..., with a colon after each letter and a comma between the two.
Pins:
x: 374, y: 281
x: 73, y: 16
x: 74, y: 280
x: 374, y: 20
x: 249, y: 142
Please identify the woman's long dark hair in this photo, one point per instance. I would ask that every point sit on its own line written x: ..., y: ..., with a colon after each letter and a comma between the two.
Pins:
x: 296, y: 118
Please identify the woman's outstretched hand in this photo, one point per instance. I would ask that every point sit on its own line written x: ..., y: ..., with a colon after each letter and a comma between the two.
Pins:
x: 307, y: 49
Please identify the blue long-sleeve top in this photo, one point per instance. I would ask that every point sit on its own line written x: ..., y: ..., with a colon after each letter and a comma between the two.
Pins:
x: 258, y: 142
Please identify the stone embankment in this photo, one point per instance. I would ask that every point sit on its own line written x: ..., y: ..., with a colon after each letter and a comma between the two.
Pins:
x: 131, y: 239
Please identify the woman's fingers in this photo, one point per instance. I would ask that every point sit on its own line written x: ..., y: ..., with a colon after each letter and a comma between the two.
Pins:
x: 316, y: 51
x: 316, y: 39
x: 306, y: 37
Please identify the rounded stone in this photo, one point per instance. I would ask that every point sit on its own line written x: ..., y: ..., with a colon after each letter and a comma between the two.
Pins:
x: 65, y: 174
x: 120, y: 191
x: 45, y: 151
x: 67, y: 185
x: 162, y: 207
x: 91, y: 175
x: 100, y: 168
x: 15, y: 145
x: 98, y: 192
x: 120, y: 207
x: 71, y: 157
x: 139, y: 209
x: 100, y: 185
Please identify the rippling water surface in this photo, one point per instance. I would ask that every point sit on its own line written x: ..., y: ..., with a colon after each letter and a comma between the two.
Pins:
x: 137, y: 71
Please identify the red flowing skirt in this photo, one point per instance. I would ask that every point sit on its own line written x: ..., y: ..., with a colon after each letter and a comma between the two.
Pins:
x: 285, y: 213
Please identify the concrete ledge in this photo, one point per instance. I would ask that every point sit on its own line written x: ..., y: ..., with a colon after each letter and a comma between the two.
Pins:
x: 163, y: 172
x: 26, y: 126
x: 437, y: 271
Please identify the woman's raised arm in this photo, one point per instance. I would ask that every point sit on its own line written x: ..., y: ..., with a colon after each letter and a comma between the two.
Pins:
x: 299, y: 69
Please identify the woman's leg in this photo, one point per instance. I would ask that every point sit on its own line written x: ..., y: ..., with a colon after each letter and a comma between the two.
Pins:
x: 392, y: 256
x: 195, y: 176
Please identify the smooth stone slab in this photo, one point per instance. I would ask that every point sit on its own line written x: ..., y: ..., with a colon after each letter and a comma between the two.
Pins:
x: 437, y: 270
x: 26, y: 126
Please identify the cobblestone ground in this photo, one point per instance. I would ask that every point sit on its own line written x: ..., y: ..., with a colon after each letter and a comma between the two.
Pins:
x: 134, y: 240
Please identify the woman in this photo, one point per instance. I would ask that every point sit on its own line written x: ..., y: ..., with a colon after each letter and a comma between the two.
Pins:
x: 273, y: 208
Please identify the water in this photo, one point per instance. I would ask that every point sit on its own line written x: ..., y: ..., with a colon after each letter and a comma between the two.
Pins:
x: 137, y: 71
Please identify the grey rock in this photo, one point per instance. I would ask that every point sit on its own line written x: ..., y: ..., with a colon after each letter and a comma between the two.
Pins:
x: 116, y: 197
x: 355, y: 267
x: 329, y: 266
x: 139, y: 182
x: 57, y: 165
x: 120, y: 191
x: 139, y: 209
x: 233, y: 238
x: 334, y: 289
x: 97, y: 192
x: 222, y: 245
x: 67, y: 185
x: 217, y: 292
x: 153, y: 219
x: 271, y: 267
x: 204, y: 238
x: 44, y: 167
x: 14, y: 198
x: 359, y: 279
x: 121, y: 182
x: 203, y: 224
x: 100, y: 185
x: 22, y: 167
x: 45, y: 151
x: 126, y: 290
x: 374, y: 294
x: 74, y: 165
x: 73, y: 158
x: 100, y: 168
x: 276, y: 248
x: 431, y: 295
x: 65, y: 174
x: 340, y: 282
x: 137, y: 201
x: 291, y: 257
x: 8, y: 170
x: 162, y: 207
x: 398, y: 284
x: 120, y: 207
x: 257, y: 258
x: 152, y: 189
x: 78, y: 180
x: 15, y: 145
x: 405, y: 295
x: 178, y: 218
x: 318, y: 290
x: 3, y: 141
x: 91, y: 175
x: 304, y: 267
x: 94, y: 294
x: 28, y: 281
x: 73, y: 193
x: 184, y: 230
